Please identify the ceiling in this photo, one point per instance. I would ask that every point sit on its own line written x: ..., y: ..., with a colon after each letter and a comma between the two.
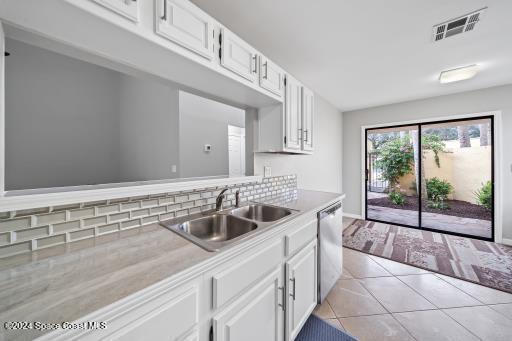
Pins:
x: 363, y: 53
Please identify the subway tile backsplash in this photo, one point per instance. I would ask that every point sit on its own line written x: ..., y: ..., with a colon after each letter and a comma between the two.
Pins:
x: 28, y: 230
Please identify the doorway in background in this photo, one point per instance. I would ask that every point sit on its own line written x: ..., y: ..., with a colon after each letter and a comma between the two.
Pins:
x: 236, y: 150
x: 437, y: 176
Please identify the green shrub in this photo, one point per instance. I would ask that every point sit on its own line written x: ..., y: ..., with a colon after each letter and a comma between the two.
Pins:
x: 437, y: 193
x: 397, y: 198
x: 395, y: 159
x: 484, y: 195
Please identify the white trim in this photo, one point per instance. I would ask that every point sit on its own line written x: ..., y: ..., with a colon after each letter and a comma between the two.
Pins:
x: 27, y: 201
x: 353, y: 216
x: 498, y: 161
x: 506, y: 241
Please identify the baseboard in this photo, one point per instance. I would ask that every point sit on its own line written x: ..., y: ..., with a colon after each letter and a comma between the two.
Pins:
x: 353, y: 216
x: 506, y: 241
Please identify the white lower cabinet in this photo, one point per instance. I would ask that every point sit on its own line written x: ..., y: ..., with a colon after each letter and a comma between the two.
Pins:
x: 255, y: 316
x: 302, y: 284
x: 170, y: 316
x: 264, y: 293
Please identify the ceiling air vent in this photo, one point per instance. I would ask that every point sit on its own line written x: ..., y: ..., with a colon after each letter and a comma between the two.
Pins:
x: 459, y: 25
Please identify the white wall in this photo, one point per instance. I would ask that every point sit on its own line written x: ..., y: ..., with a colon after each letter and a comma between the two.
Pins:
x: 203, y: 121
x: 61, y: 119
x: 496, y: 98
x: 322, y: 170
x: 149, y: 130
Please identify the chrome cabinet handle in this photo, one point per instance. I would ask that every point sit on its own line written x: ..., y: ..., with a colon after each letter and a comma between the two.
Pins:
x: 265, y: 75
x: 164, y: 16
x: 254, y: 64
x: 306, y: 133
x: 293, y: 287
x: 282, y: 297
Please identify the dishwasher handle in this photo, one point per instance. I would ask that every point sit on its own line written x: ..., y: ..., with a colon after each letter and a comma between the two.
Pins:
x: 330, y: 210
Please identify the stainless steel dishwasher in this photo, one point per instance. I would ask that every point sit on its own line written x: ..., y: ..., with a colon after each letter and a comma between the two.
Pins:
x: 330, y: 228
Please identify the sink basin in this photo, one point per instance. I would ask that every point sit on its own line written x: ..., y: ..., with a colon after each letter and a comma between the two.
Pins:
x: 215, y: 230
x: 217, y: 227
x: 262, y: 213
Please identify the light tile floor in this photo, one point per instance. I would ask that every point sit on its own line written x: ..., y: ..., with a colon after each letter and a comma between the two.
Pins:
x: 379, y: 299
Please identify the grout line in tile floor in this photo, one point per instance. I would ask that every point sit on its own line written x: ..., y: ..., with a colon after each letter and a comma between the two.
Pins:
x: 360, y: 280
x: 389, y: 312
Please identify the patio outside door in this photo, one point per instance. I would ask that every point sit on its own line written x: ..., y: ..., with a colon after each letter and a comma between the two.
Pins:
x: 436, y: 176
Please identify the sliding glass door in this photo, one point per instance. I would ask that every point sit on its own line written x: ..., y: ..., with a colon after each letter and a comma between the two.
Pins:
x: 435, y: 176
x: 391, y: 163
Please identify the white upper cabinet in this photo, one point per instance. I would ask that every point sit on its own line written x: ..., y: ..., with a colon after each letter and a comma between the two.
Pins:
x: 301, y: 274
x: 238, y: 56
x: 271, y: 76
x: 185, y: 24
x: 308, y: 113
x: 126, y: 8
x: 293, y: 113
x: 257, y: 316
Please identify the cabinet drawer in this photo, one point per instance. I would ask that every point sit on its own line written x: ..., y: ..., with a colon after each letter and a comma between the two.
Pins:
x: 301, y: 237
x: 237, y: 277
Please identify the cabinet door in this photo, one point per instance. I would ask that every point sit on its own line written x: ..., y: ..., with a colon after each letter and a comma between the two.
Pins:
x: 126, y: 8
x: 271, y: 76
x: 256, y: 316
x: 308, y: 113
x: 165, y: 320
x: 238, y: 56
x: 293, y: 113
x: 302, y: 288
x: 183, y: 23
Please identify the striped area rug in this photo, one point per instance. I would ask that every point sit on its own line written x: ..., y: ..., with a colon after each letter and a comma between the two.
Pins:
x: 473, y: 260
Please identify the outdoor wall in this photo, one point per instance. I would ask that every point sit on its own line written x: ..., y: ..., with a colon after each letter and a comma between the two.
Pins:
x: 466, y: 169
x: 322, y: 170
x: 496, y: 98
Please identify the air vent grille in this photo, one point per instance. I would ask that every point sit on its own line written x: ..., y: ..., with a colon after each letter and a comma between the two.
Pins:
x: 458, y: 25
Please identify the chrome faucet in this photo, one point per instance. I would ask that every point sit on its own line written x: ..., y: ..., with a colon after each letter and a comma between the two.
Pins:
x: 220, y: 199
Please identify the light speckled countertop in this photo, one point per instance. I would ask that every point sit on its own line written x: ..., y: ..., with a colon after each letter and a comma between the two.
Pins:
x: 67, y: 282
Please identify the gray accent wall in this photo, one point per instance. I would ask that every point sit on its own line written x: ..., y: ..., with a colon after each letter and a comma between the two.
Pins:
x: 321, y: 171
x: 204, y: 121
x: 71, y: 123
x: 63, y: 105
x: 485, y: 100
x: 149, y: 130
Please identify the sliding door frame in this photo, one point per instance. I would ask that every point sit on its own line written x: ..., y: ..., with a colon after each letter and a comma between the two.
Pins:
x: 496, y: 179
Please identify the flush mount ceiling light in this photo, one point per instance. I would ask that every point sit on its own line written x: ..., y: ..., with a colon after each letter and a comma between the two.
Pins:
x: 459, y: 74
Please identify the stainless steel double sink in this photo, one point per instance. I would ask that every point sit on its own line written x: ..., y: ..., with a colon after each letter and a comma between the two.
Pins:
x: 215, y: 230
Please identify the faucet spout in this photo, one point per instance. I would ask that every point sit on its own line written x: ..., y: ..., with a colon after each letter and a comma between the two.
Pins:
x: 220, y: 199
